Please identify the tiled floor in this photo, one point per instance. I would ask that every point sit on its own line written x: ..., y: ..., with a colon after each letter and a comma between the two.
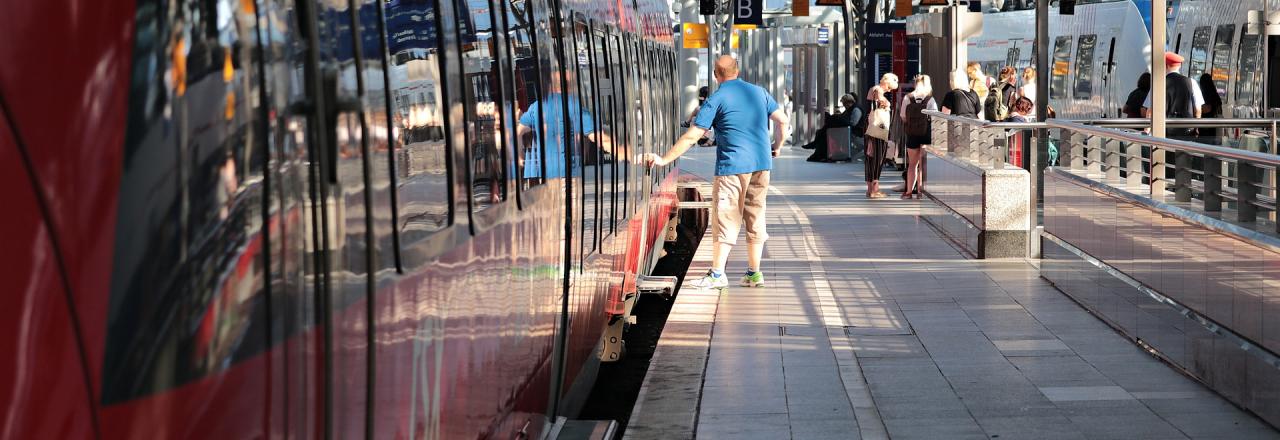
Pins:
x: 871, y: 326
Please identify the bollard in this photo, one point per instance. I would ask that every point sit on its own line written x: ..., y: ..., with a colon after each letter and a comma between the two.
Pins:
x: 1113, y: 153
x: 1182, y: 176
x: 1133, y: 164
x: 1248, y: 176
x: 1212, y: 184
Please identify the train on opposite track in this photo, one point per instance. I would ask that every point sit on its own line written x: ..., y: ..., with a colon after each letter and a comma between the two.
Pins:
x: 1098, y: 53
x: 323, y: 218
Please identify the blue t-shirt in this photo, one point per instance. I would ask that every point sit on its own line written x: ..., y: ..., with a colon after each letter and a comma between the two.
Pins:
x: 553, y: 117
x: 739, y: 112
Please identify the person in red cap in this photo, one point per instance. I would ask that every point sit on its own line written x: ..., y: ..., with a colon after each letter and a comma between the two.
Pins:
x: 1182, y: 96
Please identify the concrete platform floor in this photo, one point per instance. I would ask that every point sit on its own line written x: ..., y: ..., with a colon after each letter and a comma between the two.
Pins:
x: 872, y: 326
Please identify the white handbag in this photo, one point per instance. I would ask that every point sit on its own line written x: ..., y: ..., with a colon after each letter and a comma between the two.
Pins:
x: 878, y: 124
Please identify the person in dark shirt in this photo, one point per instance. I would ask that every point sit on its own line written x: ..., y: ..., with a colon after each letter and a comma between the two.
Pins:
x: 961, y: 100
x: 1182, y: 96
x: 848, y: 118
x: 1133, y: 105
x: 1212, y: 107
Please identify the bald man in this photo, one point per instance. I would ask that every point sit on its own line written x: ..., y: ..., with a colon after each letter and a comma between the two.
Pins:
x: 740, y: 113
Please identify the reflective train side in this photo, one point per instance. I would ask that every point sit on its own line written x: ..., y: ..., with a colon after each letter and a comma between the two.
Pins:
x: 340, y: 219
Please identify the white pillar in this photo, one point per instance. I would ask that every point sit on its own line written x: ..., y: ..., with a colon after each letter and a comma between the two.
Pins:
x: 689, y: 62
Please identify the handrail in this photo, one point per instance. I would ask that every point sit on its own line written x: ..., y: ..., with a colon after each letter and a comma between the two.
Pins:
x: 986, y: 124
x: 1183, y: 122
x: 1169, y: 144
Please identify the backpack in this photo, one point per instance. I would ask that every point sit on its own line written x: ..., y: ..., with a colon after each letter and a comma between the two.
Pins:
x: 917, y: 121
x: 997, y: 105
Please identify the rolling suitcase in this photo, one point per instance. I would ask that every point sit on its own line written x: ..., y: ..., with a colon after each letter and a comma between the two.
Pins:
x: 838, y: 144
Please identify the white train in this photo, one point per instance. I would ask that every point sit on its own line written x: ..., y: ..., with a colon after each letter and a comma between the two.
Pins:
x: 1099, y: 53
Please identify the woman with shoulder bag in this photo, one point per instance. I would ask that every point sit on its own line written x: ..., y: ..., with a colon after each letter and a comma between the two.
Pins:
x: 877, y: 135
x: 918, y: 131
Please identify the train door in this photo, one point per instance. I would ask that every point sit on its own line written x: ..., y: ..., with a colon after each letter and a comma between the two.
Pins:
x: 297, y: 380
x: 346, y: 251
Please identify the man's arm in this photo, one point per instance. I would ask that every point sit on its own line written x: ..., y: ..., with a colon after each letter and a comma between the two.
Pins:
x: 779, y: 119
x: 682, y: 145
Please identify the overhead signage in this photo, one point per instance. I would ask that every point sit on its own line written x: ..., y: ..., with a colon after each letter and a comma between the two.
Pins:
x: 748, y: 12
x: 695, y: 35
x: 903, y: 8
x: 824, y: 35
x: 799, y: 8
x: 829, y: 3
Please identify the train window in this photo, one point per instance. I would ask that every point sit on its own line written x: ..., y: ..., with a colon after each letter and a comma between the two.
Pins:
x: 584, y: 126
x: 603, y: 98
x: 1248, y: 76
x: 1012, y: 58
x: 1084, y: 66
x: 423, y: 171
x: 1222, y: 59
x: 1061, y: 67
x: 522, y: 51
x: 1199, y: 52
x: 617, y: 55
x: 481, y: 92
x: 187, y: 283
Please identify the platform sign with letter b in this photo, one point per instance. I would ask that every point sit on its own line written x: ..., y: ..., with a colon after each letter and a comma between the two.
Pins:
x: 748, y: 12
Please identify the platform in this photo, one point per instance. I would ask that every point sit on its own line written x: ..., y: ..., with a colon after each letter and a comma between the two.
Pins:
x: 872, y: 326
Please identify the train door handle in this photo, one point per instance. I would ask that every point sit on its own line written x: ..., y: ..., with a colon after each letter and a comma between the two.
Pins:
x: 335, y: 105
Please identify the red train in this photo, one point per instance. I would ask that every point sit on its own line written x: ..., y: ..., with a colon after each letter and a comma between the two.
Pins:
x: 322, y: 218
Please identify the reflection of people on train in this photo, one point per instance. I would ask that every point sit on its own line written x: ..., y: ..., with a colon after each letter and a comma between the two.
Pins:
x: 551, y: 132
x: 227, y: 185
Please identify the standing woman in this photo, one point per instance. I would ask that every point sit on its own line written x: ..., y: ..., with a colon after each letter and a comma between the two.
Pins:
x: 1212, y: 107
x: 978, y: 84
x: 878, y: 97
x: 961, y: 101
x: 918, y: 131
x: 1028, y: 89
x: 1133, y: 104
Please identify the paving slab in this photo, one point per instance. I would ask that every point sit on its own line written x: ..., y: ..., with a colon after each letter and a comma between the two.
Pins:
x: 872, y: 326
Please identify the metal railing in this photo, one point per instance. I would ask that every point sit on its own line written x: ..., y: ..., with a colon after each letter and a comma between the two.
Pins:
x: 1226, y: 175
x: 982, y: 142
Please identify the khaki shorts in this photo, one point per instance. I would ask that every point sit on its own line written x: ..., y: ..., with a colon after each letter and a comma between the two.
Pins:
x: 736, y: 200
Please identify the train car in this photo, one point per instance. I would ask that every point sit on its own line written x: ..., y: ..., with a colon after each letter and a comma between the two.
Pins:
x: 323, y: 218
x: 1101, y: 50
x: 1086, y: 79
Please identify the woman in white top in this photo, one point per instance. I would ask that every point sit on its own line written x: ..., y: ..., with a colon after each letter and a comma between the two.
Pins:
x: 1028, y: 89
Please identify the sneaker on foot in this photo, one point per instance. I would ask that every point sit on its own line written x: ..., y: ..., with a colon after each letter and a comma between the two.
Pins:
x: 755, y: 279
x: 711, y: 281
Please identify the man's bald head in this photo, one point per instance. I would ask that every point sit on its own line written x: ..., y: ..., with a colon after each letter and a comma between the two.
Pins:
x: 726, y: 68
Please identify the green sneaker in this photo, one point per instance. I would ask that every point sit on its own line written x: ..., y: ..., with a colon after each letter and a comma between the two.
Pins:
x: 711, y: 282
x: 752, y: 280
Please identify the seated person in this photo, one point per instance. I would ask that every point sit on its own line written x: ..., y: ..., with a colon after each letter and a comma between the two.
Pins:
x: 848, y: 118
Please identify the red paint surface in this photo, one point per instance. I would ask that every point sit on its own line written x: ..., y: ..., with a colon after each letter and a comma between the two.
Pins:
x: 43, y: 393
x: 66, y: 89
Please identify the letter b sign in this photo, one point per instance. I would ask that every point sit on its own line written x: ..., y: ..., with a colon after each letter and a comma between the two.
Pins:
x: 748, y: 12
